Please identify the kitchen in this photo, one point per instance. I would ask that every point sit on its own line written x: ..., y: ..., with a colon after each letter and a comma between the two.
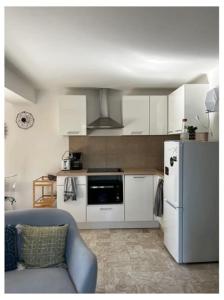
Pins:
x: 114, y: 166
x: 130, y: 151
x: 110, y: 194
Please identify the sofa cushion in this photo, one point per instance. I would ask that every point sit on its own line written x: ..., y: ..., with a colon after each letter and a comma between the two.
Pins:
x: 10, y: 248
x: 43, y: 280
x: 43, y: 246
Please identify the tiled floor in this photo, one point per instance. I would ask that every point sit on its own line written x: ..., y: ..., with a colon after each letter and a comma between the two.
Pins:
x: 135, y: 261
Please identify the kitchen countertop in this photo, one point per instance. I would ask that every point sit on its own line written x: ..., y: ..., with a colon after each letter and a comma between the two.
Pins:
x: 126, y: 171
x: 82, y: 172
x: 140, y: 171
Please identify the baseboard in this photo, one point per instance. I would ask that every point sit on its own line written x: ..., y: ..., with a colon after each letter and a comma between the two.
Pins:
x: 108, y: 225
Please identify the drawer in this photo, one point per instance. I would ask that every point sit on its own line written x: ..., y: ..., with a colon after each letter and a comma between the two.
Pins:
x: 79, y: 179
x: 105, y: 213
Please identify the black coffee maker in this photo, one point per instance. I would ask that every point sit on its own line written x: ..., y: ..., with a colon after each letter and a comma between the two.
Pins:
x: 75, y: 161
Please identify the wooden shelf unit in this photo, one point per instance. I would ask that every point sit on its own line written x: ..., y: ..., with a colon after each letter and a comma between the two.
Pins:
x: 45, y: 200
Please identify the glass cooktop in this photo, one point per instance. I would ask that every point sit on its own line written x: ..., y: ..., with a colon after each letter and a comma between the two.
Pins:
x: 104, y: 170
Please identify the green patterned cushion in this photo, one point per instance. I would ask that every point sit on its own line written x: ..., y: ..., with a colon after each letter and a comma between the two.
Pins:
x: 43, y: 246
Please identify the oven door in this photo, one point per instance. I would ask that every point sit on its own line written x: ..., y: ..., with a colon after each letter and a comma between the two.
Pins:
x: 107, y: 189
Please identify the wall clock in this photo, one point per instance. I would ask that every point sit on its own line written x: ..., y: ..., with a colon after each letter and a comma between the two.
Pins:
x: 24, y: 120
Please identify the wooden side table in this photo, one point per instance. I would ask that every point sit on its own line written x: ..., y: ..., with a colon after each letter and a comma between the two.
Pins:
x: 46, y: 198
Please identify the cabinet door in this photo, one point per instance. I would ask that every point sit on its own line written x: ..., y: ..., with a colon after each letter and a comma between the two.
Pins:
x: 171, y: 99
x: 105, y: 213
x: 135, y: 115
x: 196, y: 115
x: 158, y: 115
x: 72, y: 115
x: 139, y: 198
x: 77, y: 208
x: 176, y: 111
x: 179, y: 101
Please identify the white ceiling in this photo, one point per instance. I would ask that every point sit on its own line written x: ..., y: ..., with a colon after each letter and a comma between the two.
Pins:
x: 114, y: 47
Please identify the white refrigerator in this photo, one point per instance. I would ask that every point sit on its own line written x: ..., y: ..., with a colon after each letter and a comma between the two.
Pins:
x: 191, y: 200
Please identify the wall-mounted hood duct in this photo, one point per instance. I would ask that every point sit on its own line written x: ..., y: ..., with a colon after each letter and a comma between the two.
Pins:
x: 104, y: 121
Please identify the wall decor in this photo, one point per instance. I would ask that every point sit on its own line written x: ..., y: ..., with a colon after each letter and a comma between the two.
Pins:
x: 5, y: 129
x: 24, y: 120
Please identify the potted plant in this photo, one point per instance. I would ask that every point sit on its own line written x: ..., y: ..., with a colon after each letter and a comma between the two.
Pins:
x: 191, y: 130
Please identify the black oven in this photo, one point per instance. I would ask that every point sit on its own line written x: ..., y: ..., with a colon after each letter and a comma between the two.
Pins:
x: 105, y: 189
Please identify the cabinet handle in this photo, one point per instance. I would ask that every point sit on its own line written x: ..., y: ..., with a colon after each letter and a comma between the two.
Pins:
x: 101, y: 187
x: 136, y: 132
x: 73, y: 132
x: 105, y: 208
x: 170, y: 204
x: 138, y: 176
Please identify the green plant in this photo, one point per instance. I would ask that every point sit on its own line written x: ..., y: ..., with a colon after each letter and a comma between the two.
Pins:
x: 191, y: 129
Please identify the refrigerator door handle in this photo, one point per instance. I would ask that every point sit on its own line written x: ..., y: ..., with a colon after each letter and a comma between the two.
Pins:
x: 166, y: 171
x: 170, y: 204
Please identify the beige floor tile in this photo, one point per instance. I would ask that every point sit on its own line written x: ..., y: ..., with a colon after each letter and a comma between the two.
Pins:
x: 136, y: 261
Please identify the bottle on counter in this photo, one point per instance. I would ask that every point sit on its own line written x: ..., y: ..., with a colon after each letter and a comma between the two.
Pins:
x: 184, y: 133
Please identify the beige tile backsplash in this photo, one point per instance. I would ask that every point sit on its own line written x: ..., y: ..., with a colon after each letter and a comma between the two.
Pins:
x: 121, y: 151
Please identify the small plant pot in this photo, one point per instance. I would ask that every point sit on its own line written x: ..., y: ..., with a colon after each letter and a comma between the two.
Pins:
x: 192, y: 135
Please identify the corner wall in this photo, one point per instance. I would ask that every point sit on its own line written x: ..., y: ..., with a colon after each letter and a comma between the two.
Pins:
x: 33, y: 152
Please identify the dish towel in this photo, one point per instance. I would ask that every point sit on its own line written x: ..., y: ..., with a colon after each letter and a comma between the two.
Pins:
x: 158, y: 205
x: 70, y: 188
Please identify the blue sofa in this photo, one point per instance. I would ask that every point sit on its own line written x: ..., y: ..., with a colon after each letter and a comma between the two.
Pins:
x: 81, y: 273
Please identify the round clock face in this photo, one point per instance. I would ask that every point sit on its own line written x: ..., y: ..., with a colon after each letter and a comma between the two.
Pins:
x: 24, y: 120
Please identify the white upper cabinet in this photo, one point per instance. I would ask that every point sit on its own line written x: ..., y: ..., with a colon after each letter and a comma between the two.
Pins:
x: 135, y: 115
x: 72, y: 114
x: 158, y: 115
x: 188, y: 102
x: 176, y: 111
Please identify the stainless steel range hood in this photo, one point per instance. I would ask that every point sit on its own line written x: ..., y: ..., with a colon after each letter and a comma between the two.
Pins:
x: 104, y: 121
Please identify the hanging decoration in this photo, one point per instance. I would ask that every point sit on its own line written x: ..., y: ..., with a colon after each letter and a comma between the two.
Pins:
x: 5, y: 129
x: 24, y: 120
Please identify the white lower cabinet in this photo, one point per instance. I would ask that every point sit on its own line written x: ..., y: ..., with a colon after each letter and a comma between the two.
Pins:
x: 139, y: 198
x: 105, y: 213
x: 77, y: 208
x: 138, y: 201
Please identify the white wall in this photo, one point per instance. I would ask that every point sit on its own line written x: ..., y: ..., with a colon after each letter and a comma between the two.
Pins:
x: 213, y: 79
x: 33, y: 152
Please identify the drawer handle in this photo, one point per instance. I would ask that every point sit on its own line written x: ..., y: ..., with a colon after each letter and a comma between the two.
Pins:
x: 138, y: 176
x: 73, y: 132
x: 178, y: 130
x: 170, y: 204
x: 136, y: 132
x: 105, y: 208
x: 101, y: 187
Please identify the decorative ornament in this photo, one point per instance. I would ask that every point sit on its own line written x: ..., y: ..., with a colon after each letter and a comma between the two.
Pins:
x: 6, y: 130
x: 24, y: 120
